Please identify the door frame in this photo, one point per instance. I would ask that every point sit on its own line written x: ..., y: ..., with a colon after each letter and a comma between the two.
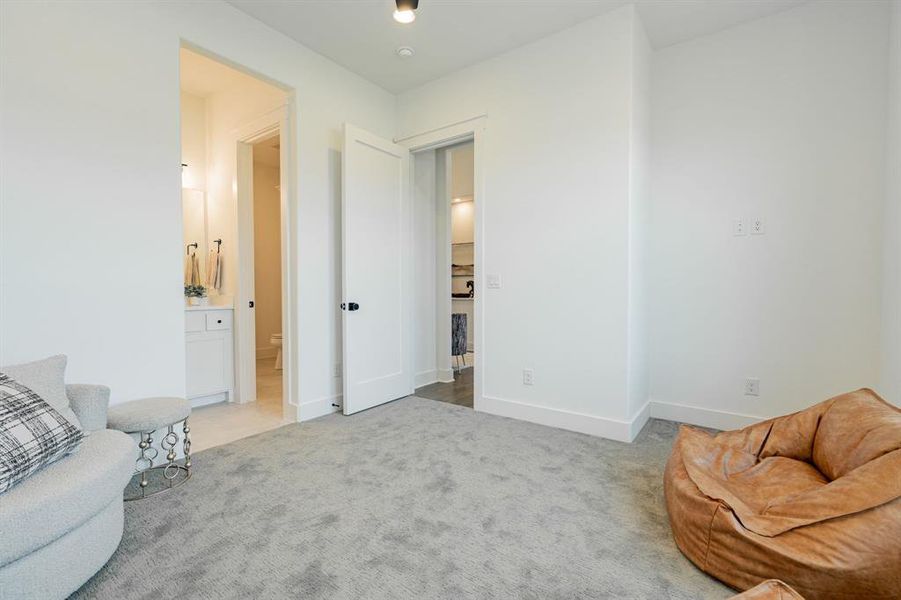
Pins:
x: 278, y: 120
x: 440, y: 137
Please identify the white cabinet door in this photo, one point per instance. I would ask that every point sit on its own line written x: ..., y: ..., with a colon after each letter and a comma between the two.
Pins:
x: 209, y: 363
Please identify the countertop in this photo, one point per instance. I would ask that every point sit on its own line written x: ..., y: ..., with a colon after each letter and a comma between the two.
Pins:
x: 215, y: 304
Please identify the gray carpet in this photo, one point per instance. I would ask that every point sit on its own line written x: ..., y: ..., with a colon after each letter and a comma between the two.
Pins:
x: 414, y: 499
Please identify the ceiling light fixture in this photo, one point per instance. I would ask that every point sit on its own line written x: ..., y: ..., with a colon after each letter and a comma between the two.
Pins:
x: 404, y: 52
x: 406, y: 11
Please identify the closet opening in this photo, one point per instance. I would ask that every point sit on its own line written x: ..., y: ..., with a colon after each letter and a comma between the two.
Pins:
x: 236, y: 146
x: 444, y: 209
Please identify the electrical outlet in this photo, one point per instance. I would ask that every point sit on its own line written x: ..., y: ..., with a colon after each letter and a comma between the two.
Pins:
x: 739, y: 227
x: 494, y: 282
x: 527, y: 376
x: 752, y: 386
x: 339, y: 371
x: 758, y: 226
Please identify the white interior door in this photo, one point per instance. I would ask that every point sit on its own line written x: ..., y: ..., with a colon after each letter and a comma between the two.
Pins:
x: 376, y: 271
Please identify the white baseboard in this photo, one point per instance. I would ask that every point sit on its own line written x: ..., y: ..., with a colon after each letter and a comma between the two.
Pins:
x: 199, y: 401
x: 621, y: 431
x: 445, y: 375
x: 425, y: 378
x: 639, y: 420
x: 705, y: 417
x: 318, y: 408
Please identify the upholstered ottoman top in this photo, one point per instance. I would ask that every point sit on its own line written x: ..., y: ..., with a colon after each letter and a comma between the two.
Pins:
x: 148, y: 414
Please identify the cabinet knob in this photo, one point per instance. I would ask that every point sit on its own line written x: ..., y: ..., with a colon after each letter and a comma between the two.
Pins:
x: 219, y: 320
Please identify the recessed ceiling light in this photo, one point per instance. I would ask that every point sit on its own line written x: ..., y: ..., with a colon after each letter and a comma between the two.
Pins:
x: 406, y: 11
x: 405, y: 52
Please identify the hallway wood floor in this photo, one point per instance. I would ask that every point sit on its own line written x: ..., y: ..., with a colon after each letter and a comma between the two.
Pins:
x: 459, y: 392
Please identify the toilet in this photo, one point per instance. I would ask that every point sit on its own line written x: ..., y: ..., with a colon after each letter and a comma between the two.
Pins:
x: 276, y: 340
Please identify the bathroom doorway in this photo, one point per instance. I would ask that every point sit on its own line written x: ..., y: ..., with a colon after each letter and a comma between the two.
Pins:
x: 237, y: 147
x: 267, y: 273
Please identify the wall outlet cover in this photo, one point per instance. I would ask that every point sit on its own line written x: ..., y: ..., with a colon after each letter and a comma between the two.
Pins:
x: 494, y: 282
x: 528, y: 376
x: 739, y: 227
x: 752, y: 386
x: 758, y: 226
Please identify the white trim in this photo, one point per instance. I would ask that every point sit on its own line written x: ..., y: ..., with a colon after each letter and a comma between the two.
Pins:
x: 442, y: 141
x: 199, y: 401
x: 245, y: 325
x: 288, y: 200
x: 614, y: 429
x: 639, y: 420
x: 473, y: 128
x: 445, y: 375
x: 320, y: 407
x: 425, y: 378
x: 705, y: 417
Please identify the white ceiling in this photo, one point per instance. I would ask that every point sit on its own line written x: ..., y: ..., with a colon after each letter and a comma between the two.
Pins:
x: 451, y: 34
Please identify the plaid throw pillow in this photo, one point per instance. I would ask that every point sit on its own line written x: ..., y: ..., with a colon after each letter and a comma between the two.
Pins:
x: 32, y: 433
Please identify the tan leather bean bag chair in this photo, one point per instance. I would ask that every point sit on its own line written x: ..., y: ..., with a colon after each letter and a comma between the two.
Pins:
x: 812, y: 498
x: 771, y: 589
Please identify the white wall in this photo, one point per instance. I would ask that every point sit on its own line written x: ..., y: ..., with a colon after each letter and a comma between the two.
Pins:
x: 556, y: 218
x: 891, y: 311
x: 267, y: 257
x: 91, y: 187
x: 425, y: 267
x: 781, y: 118
x: 639, y: 225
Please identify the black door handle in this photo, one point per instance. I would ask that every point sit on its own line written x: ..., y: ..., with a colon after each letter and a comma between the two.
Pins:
x: 350, y: 306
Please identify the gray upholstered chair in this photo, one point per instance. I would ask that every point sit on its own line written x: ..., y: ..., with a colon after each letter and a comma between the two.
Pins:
x: 62, y: 524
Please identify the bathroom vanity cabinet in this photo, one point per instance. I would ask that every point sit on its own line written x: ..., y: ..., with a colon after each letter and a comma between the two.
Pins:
x: 209, y: 354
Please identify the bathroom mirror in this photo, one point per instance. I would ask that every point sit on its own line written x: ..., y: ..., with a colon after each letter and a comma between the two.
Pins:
x: 194, y: 220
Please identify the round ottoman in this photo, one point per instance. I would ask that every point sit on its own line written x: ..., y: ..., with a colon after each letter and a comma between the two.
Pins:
x: 145, y: 417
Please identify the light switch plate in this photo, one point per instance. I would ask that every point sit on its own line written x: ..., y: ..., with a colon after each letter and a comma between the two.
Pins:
x: 494, y: 282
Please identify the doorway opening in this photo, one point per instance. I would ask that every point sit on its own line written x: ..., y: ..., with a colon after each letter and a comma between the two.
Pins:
x: 236, y: 149
x: 452, y: 199
x: 267, y: 274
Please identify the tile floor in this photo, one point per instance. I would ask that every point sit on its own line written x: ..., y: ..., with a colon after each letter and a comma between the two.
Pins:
x: 222, y: 423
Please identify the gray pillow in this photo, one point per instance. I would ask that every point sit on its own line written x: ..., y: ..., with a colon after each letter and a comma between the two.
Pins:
x: 32, y: 433
x: 47, y: 378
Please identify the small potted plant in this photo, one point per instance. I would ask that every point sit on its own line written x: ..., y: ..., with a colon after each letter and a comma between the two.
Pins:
x: 196, y: 295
